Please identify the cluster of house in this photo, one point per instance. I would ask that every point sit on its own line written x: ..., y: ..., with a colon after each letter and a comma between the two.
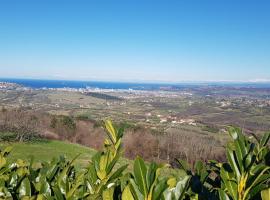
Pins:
x: 173, y: 119
x: 223, y: 103
x: 253, y: 102
x: 262, y: 104
x: 6, y: 85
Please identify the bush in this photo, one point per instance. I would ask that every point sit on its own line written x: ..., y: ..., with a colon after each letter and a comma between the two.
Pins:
x: 8, y: 136
x: 210, y: 128
x: 15, y: 137
x: 64, y: 126
x: 83, y: 117
x: 69, y: 122
x: 53, y: 122
x: 244, y: 176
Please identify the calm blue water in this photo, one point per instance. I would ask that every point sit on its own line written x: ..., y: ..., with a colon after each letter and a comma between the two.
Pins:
x: 33, y: 83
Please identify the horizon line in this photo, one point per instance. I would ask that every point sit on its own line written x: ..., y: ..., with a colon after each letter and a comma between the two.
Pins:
x: 255, y: 81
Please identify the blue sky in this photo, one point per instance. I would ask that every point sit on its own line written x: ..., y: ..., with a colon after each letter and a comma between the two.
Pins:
x: 136, y: 40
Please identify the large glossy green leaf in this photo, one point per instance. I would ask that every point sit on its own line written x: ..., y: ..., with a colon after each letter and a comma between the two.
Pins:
x: 62, y: 182
x: 233, y: 163
x: 112, y: 163
x: 127, y: 194
x: 45, y: 188
x: 183, y: 165
x: 265, y: 194
x: 229, y: 182
x: 223, y: 195
x: 75, y: 187
x: 2, y: 161
x: 58, y: 194
x: 137, y: 194
x: 117, y: 173
x: 158, y: 189
x: 107, y: 194
x: 178, y: 193
x: 52, y: 169
x: 255, y: 190
x: 111, y: 131
x: 265, y: 139
x: 151, y: 175
x: 140, y: 175
x: 25, y: 188
x: 260, y: 178
x: 241, y: 148
x: 182, y: 187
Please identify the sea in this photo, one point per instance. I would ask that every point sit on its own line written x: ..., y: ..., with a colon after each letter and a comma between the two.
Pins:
x: 36, y: 83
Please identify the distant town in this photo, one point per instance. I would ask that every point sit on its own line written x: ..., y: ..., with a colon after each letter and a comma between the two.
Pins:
x: 199, y: 106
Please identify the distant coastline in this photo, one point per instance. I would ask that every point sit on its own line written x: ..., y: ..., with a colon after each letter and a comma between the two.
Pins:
x: 42, y: 83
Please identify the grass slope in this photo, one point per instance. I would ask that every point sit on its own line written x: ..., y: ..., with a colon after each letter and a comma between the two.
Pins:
x: 46, y: 150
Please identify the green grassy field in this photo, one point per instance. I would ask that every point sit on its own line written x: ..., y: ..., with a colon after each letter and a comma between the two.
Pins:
x: 46, y: 150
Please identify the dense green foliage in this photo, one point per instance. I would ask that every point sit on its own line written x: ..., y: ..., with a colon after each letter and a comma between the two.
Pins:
x: 245, y: 175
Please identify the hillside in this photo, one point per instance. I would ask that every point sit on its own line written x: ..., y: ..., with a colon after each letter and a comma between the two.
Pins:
x: 243, y: 176
x: 48, y: 149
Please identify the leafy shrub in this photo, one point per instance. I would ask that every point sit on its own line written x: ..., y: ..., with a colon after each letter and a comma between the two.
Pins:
x: 8, y: 136
x: 83, y: 117
x: 53, y: 122
x: 210, y: 128
x: 15, y: 136
x: 245, y: 175
x: 69, y: 122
